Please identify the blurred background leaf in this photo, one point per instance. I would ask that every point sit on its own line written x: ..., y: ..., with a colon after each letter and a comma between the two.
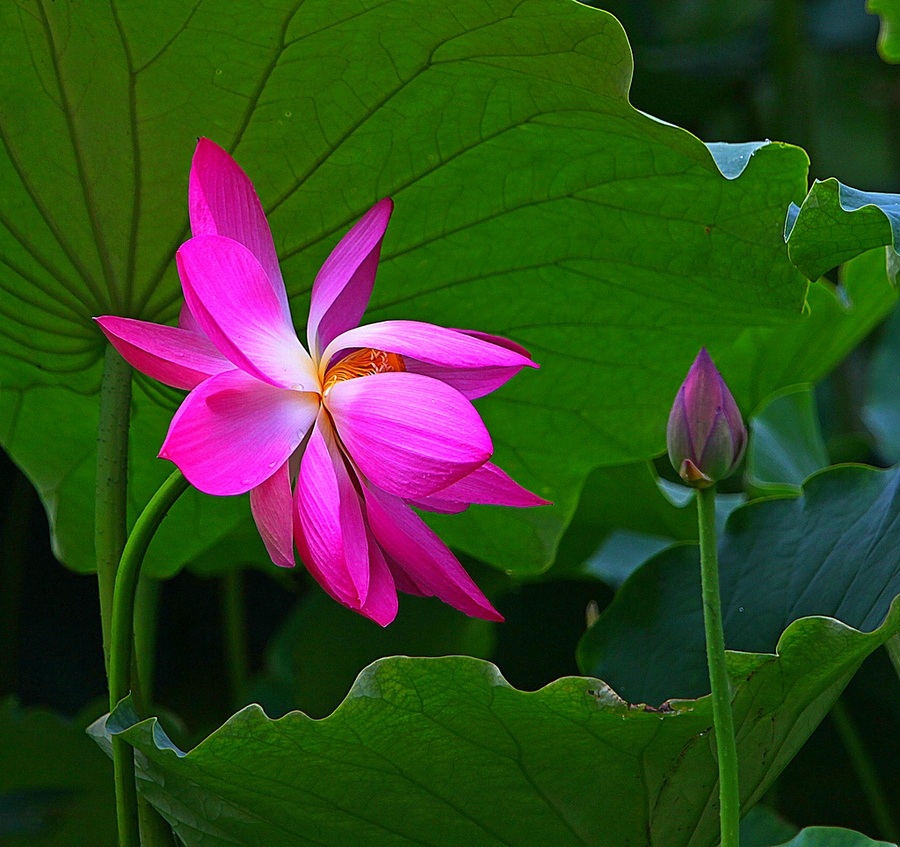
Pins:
x: 625, y: 515
x: 761, y: 827
x: 55, y: 785
x: 786, y: 443
x: 881, y: 410
x: 837, y: 319
x: 889, y: 37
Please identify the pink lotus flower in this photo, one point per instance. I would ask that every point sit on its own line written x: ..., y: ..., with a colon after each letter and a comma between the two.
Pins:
x: 335, y: 444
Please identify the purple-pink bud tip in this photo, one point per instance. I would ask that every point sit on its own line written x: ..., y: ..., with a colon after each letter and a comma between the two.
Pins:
x: 706, y: 436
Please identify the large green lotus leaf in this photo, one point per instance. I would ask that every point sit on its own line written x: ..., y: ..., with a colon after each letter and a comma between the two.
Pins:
x: 831, y: 551
x: 532, y: 201
x: 428, y: 751
x: 832, y: 836
x: 837, y: 222
x: 889, y: 37
x: 55, y: 790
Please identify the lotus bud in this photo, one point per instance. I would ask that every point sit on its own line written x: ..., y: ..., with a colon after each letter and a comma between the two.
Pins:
x: 705, y: 436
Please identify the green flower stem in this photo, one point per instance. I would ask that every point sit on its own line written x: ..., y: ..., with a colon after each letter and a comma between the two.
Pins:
x: 232, y: 598
x: 120, y: 655
x: 111, y: 497
x: 729, y: 791
x: 865, y: 770
x: 146, y: 612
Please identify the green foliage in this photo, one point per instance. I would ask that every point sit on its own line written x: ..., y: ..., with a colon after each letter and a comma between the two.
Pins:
x: 529, y: 203
x: 434, y: 745
x: 836, y: 320
x: 627, y: 514
x: 830, y: 551
x: 833, y: 324
x: 421, y: 745
x: 837, y: 223
x: 533, y: 200
x: 55, y: 785
x: 889, y: 37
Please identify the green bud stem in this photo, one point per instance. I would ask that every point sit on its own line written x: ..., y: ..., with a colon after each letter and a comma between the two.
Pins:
x: 723, y: 721
x: 121, y: 637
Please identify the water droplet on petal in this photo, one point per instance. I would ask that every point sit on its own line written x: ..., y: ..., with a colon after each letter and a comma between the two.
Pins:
x: 741, y: 609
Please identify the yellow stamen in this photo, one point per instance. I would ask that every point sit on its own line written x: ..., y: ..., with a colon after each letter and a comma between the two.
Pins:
x: 365, y: 362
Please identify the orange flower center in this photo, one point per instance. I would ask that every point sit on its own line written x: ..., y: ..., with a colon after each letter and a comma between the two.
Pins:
x: 365, y: 362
